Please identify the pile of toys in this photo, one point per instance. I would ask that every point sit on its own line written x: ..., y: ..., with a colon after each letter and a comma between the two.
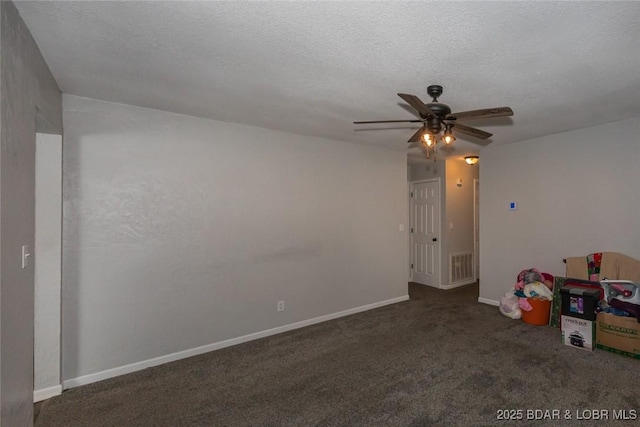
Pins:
x: 621, y: 298
x: 531, y: 286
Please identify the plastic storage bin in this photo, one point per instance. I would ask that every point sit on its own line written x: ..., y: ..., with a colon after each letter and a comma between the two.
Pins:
x: 579, y: 302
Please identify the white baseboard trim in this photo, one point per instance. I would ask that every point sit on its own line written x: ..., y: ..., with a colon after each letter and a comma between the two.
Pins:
x: 127, y: 369
x: 456, y: 285
x: 489, y: 301
x: 46, y: 393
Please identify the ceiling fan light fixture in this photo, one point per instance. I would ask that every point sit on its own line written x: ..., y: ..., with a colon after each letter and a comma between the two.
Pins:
x: 448, y: 137
x: 428, y: 139
x: 471, y: 160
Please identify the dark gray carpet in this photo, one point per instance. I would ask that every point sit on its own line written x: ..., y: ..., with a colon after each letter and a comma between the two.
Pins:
x: 439, y: 359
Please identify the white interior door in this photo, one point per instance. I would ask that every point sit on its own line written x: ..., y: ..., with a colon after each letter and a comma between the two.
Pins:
x: 425, y: 232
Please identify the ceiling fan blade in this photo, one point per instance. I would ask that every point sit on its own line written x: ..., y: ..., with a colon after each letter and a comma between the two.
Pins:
x: 389, y: 121
x: 471, y: 131
x: 416, y: 136
x: 484, y: 113
x: 415, y: 102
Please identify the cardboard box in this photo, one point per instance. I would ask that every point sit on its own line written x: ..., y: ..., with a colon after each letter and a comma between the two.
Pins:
x: 578, y: 333
x: 618, y: 334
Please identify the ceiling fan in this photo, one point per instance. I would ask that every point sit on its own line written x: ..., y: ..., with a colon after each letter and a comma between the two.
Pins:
x: 437, y: 117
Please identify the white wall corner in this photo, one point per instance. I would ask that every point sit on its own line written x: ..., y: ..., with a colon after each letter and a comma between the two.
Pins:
x: 46, y: 393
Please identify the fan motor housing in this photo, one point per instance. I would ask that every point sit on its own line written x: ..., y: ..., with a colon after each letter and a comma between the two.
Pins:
x: 434, y: 123
x: 440, y: 110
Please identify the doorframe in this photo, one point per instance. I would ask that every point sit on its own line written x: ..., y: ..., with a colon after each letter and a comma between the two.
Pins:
x: 411, y: 246
x: 476, y: 227
x: 409, y: 238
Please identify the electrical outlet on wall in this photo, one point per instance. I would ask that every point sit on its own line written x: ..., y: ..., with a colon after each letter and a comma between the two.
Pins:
x: 280, y: 305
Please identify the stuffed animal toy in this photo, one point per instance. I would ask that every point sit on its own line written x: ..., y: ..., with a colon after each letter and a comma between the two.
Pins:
x: 529, y: 276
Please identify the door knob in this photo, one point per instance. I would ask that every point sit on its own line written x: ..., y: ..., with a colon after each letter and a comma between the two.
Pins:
x: 435, y: 239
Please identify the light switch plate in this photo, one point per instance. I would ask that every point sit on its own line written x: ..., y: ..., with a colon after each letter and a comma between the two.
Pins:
x: 25, y: 256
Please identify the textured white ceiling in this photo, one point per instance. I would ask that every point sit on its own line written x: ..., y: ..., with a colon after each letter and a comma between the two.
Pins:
x: 314, y: 67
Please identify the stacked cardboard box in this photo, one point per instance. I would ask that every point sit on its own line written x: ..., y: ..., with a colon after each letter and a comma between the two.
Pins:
x: 618, y: 334
x: 578, y: 320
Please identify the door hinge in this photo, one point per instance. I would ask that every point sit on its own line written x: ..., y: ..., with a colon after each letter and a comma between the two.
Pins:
x: 412, y: 266
x: 411, y: 229
x: 412, y: 194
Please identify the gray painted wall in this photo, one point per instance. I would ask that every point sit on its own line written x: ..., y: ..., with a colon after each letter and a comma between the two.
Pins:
x: 180, y: 232
x: 426, y: 169
x: 577, y: 193
x: 26, y: 85
x: 47, y: 269
x: 1, y: 130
